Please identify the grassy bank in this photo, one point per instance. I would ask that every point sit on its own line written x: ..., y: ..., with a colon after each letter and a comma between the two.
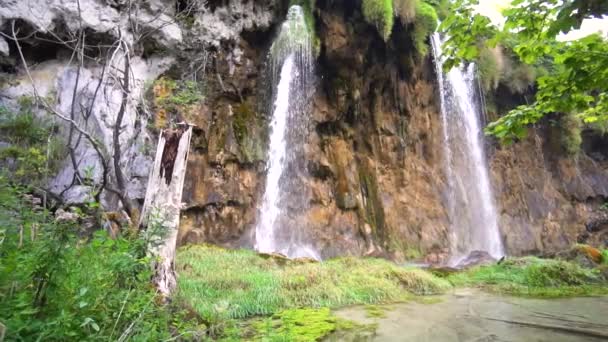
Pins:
x: 242, y: 295
x: 240, y: 284
x: 534, y: 277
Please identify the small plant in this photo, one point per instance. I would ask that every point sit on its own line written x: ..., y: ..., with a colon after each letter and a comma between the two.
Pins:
x: 175, y: 99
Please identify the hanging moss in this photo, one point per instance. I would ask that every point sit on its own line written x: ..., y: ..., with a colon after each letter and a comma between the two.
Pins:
x: 490, y: 65
x: 570, y: 129
x: 425, y: 25
x: 442, y: 7
x: 406, y: 10
x: 380, y: 14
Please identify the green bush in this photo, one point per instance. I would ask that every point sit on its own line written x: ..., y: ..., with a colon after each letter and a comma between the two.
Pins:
x: 425, y: 25
x: 380, y: 14
x: 35, y: 150
x: 57, y: 285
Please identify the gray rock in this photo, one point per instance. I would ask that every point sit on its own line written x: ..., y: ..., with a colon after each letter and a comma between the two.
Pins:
x: 4, y: 47
x: 98, y: 16
x: 63, y: 216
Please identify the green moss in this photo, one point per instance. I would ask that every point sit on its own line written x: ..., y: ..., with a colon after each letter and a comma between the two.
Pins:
x: 570, y: 133
x: 425, y: 25
x: 175, y: 99
x: 379, y: 13
x: 605, y: 256
x: 533, y: 277
x: 300, y: 325
x: 248, y: 133
x: 376, y: 311
x: 241, y: 284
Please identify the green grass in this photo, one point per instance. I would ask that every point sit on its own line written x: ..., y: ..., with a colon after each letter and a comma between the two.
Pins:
x: 533, y: 277
x: 240, y: 284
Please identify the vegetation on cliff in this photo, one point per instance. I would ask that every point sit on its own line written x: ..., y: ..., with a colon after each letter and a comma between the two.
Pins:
x: 379, y: 13
x: 578, y: 67
x: 422, y: 15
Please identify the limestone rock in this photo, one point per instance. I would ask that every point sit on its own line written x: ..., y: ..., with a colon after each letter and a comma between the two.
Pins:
x: 4, y: 47
x: 63, y: 216
x: 98, y: 16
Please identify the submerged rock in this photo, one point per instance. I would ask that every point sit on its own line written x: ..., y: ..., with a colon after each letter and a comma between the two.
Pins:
x: 475, y: 258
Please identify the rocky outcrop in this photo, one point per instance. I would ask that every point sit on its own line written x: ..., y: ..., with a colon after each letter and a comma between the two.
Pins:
x: 375, y: 156
x: 548, y: 200
x: 374, y: 159
x: 152, y: 20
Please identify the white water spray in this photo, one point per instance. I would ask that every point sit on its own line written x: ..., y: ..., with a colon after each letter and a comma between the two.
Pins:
x: 471, y: 208
x: 280, y: 228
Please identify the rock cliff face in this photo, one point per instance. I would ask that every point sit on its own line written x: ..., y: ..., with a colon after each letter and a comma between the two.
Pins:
x: 374, y: 155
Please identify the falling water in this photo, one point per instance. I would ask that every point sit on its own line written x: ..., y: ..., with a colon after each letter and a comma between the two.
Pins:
x: 280, y: 227
x: 470, y: 200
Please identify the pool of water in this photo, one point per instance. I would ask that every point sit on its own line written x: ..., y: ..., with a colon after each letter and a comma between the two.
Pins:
x: 472, y: 315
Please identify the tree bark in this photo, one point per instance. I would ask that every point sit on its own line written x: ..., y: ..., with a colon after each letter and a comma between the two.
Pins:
x: 162, y: 205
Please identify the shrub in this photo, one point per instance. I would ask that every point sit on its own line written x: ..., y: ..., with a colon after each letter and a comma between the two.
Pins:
x: 57, y: 286
x: 380, y: 14
x: 425, y: 25
x: 36, y: 149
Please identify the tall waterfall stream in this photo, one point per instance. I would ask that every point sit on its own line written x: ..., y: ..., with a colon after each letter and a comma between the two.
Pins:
x: 470, y: 201
x: 280, y: 228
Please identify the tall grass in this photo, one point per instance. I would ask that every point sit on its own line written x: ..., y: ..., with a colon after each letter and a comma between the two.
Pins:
x: 239, y: 284
x: 534, y: 277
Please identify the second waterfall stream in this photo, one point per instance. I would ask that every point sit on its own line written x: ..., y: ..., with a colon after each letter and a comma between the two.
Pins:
x: 470, y: 201
x: 281, y: 227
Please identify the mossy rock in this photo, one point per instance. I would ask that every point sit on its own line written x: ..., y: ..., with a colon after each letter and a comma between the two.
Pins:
x: 380, y: 14
x: 249, y: 132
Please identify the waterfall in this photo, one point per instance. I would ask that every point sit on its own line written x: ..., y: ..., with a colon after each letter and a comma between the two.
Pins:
x: 281, y: 224
x: 470, y: 202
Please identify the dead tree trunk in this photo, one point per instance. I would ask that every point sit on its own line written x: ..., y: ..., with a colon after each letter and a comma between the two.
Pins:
x: 161, y: 209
